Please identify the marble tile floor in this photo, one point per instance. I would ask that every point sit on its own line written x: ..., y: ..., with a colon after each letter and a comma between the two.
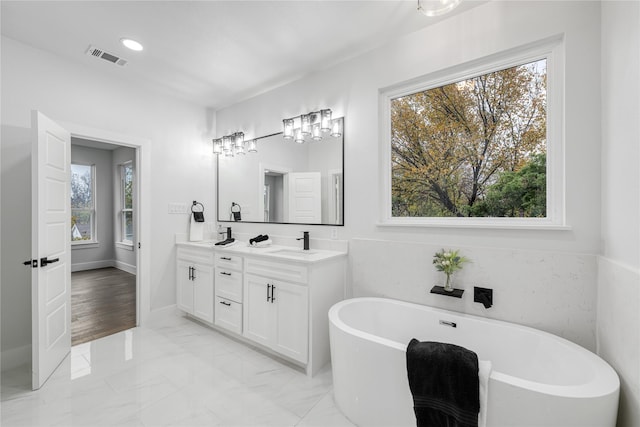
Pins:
x: 172, y: 372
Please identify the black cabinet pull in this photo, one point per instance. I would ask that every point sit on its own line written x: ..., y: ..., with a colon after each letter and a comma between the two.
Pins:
x: 225, y: 258
x: 273, y: 288
x: 225, y: 303
x: 193, y: 273
x: 225, y: 273
x: 268, y: 289
x: 190, y: 276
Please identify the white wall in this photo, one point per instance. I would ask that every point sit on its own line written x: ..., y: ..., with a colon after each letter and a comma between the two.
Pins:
x: 545, y: 279
x: 101, y: 254
x: 619, y: 265
x: 180, y: 158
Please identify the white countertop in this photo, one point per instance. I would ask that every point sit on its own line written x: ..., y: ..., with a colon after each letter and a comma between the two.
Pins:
x: 275, y: 252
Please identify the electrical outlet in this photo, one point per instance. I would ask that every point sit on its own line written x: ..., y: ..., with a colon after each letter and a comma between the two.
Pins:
x: 334, y: 233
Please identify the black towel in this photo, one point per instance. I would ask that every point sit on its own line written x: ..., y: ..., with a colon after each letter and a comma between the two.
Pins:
x: 225, y: 242
x: 258, y: 238
x: 443, y: 379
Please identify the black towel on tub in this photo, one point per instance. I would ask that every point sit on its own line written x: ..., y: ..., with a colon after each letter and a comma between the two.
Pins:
x: 443, y: 379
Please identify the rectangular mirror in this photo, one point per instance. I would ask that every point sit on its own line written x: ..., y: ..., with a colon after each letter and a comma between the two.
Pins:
x: 284, y: 182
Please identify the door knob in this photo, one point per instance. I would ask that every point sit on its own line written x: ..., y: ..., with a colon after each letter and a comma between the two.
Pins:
x: 46, y: 261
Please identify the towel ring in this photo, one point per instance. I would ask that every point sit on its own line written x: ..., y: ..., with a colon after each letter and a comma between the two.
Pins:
x: 197, y: 204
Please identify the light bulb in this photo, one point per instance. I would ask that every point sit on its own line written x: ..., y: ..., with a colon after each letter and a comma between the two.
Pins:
x: 287, y: 132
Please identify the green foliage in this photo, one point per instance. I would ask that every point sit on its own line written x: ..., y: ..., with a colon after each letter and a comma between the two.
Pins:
x: 517, y: 194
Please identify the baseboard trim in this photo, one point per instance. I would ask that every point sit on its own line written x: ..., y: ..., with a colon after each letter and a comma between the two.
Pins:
x: 131, y: 269
x: 14, y: 357
x: 93, y: 265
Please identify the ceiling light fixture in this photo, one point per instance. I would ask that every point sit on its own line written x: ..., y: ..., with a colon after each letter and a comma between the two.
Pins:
x: 313, y: 124
x: 437, y: 7
x: 131, y: 44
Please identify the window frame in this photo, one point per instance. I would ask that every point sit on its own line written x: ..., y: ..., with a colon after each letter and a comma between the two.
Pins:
x: 92, y: 211
x: 550, y: 49
x: 122, y: 208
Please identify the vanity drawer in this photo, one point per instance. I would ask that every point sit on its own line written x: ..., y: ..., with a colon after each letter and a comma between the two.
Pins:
x: 289, y: 272
x: 228, y: 315
x: 232, y: 262
x: 196, y: 255
x: 229, y: 284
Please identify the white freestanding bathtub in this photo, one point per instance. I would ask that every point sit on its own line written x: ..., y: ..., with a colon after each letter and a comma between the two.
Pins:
x: 537, y: 379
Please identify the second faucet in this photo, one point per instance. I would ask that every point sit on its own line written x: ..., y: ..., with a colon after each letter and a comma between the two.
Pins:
x: 305, y: 238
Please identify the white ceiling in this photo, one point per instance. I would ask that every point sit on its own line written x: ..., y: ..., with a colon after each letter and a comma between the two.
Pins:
x: 213, y: 53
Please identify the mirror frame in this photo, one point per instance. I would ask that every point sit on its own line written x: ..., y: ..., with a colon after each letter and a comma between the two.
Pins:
x: 275, y: 222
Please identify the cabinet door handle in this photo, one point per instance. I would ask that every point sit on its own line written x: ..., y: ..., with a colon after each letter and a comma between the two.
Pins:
x: 225, y: 258
x: 190, y: 273
x: 225, y: 273
x: 193, y: 273
x: 268, y: 289
x: 273, y: 288
x: 225, y: 303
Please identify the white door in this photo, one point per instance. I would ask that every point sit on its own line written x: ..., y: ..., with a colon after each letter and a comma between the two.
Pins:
x: 51, y: 246
x: 305, y: 198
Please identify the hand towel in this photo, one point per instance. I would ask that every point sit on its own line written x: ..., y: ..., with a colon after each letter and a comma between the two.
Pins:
x: 444, y: 382
x: 196, y: 230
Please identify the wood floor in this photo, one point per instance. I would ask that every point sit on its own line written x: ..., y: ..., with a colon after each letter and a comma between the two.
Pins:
x: 103, y: 302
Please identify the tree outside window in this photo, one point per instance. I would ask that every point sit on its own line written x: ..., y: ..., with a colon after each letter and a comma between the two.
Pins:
x: 474, y: 148
x: 82, y: 203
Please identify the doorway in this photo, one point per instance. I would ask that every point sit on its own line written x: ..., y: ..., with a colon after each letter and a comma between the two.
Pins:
x: 103, y: 232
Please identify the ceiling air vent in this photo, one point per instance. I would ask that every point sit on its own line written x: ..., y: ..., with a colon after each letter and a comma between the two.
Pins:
x: 99, y: 53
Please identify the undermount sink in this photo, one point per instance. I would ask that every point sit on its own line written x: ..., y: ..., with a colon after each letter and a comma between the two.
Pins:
x: 293, y: 252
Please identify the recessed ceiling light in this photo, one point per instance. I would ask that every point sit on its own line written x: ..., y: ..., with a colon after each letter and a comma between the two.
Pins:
x: 131, y: 44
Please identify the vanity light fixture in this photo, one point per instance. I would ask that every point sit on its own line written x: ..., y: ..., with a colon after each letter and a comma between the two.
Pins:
x: 233, y: 144
x: 336, y: 129
x: 287, y: 133
x: 436, y: 7
x: 217, y: 146
x: 313, y: 124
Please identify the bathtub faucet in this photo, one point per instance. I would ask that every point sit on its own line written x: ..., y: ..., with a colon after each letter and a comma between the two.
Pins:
x: 483, y: 295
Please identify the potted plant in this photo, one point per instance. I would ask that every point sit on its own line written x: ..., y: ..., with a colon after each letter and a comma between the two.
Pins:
x: 448, y: 262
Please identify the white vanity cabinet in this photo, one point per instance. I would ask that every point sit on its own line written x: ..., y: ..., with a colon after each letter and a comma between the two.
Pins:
x: 277, y: 315
x: 285, y: 306
x: 275, y: 298
x: 194, y: 282
x: 228, y: 292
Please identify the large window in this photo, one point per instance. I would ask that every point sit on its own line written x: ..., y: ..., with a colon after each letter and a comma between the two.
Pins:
x: 476, y: 145
x: 126, y: 201
x: 83, y: 224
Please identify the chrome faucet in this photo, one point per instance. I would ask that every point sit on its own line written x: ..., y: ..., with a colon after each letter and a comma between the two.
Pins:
x: 305, y: 238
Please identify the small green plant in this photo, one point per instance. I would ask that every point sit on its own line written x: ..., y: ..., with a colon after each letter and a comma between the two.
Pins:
x: 448, y: 262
